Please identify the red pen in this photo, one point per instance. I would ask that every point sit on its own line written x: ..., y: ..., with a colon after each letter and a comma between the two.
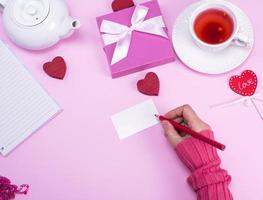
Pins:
x: 194, y: 134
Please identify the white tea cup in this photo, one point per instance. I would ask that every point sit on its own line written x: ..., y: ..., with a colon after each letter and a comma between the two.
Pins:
x: 236, y: 38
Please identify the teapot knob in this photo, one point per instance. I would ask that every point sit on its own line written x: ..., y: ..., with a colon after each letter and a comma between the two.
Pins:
x: 31, y: 10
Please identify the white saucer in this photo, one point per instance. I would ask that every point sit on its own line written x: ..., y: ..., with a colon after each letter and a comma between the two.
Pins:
x: 210, y: 62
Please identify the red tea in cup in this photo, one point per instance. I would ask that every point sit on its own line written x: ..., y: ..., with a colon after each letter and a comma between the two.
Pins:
x: 214, y: 26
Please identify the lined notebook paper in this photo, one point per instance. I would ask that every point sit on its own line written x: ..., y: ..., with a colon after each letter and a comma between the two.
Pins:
x: 24, y: 104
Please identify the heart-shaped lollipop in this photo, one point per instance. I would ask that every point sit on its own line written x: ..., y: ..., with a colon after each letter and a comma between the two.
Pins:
x: 245, y: 84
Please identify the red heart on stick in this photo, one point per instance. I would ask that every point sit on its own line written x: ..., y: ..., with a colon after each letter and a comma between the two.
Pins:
x: 245, y: 84
x: 56, y: 69
x: 150, y: 85
x: 121, y: 4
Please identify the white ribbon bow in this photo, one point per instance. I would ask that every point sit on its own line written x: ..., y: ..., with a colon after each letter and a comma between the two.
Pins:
x: 121, y: 34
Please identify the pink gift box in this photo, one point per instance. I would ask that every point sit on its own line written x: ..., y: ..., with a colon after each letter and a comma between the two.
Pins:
x: 145, y: 51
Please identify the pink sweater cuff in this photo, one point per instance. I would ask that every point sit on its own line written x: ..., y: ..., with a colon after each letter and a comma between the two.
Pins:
x: 207, y: 177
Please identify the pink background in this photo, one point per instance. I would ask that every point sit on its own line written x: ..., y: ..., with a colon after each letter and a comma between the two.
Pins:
x: 79, y: 156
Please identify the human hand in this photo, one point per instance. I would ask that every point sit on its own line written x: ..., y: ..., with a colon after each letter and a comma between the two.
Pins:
x: 201, y: 158
x: 186, y: 116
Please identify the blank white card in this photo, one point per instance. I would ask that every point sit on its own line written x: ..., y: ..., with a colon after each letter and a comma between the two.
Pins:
x: 135, y: 119
x: 24, y: 104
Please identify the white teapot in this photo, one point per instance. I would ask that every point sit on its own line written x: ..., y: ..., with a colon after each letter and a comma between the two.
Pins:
x: 37, y: 24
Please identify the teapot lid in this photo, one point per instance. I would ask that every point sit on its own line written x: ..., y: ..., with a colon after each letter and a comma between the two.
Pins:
x: 29, y: 12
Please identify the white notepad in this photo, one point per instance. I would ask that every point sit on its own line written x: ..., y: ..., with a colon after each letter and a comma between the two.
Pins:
x: 24, y: 105
x: 135, y: 119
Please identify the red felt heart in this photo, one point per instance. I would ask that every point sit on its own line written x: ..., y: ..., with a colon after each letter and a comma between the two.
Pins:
x: 121, y: 4
x: 150, y: 85
x: 57, y: 68
x: 245, y: 84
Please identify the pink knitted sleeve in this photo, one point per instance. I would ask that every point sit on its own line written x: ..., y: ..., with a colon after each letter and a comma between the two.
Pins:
x: 209, y: 181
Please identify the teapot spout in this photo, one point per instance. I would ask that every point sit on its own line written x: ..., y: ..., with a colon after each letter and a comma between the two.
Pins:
x: 68, y: 27
x: 75, y: 24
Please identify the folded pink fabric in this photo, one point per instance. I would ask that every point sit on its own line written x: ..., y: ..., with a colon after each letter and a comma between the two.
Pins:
x: 208, y: 180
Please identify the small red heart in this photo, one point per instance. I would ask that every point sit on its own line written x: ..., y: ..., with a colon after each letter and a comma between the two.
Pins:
x: 150, y: 85
x: 56, y: 69
x: 245, y: 84
x: 121, y: 4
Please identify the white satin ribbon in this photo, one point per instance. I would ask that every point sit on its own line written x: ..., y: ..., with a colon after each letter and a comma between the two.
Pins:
x: 121, y: 34
x: 248, y: 101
